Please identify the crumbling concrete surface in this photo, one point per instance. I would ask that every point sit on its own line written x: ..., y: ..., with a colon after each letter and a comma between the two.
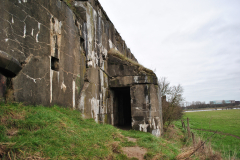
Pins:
x: 70, y: 54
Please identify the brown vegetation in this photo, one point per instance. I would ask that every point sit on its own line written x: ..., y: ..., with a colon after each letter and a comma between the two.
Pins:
x: 170, y: 112
x: 11, y: 116
x: 200, y: 150
x: 171, y: 109
x: 136, y: 152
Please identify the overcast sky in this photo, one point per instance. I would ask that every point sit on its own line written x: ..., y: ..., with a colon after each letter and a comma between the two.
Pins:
x: 195, y: 43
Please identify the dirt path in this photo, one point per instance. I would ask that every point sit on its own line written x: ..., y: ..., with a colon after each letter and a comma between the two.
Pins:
x: 218, y: 132
x: 136, y: 151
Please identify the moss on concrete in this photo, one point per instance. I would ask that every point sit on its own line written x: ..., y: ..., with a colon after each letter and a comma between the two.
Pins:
x: 141, y: 69
x: 70, y: 4
x: 105, y: 119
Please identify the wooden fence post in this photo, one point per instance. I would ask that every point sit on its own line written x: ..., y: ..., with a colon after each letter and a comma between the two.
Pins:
x: 193, y: 139
x: 188, y: 128
x: 184, y: 125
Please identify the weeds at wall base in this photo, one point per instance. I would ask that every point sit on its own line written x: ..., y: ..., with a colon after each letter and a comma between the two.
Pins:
x: 61, y: 133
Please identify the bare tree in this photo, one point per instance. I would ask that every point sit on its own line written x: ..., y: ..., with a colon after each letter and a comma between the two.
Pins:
x: 172, y: 109
x: 176, y: 95
x: 193, y: 103
x: 164, y: 86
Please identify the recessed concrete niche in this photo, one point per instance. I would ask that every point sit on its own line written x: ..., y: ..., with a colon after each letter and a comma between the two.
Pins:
x: 122, y: 107
x: 9, y: 66
x: 54, y: 64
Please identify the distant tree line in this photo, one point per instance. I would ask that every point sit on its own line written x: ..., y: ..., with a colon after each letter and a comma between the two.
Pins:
x: 198, y: 105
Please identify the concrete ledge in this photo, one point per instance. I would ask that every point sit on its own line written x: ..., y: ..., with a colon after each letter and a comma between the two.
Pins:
x: 131, y: 80
x: 9, y: 66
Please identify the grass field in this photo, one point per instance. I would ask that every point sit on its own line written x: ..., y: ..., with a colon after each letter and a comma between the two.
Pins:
x: 60, y: 133
x: 226, y: 122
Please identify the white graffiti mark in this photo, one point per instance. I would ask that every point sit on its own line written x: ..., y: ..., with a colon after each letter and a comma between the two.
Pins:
x: 74, y: 89
x: 51, y: 79
x: 37, y: 37
x: 143, y: 127
x: 94, y: 108
x: 136, y: 79
x: 82, y: 98
x: 153, y: 124
x: 39, y: 27
x: 24, y: 32
x: 63, y: 87
x: 156, y: 132
x: 32, y: 31
x: 146, y: 79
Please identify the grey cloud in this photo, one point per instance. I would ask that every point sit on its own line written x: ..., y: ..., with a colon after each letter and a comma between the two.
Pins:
x: 237, y: 61
x: 202, y: 55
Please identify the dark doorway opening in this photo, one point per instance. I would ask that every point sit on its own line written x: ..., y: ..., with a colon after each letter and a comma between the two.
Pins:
x: 122, y: 108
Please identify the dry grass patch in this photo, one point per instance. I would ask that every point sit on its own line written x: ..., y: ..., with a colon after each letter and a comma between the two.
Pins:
x: 117, y: 135
x: 12, y: 132
x: 201, y: 150
x: 11, y: 115
x: 131, y: 139
x: 115, y: 147
x: 137, y: 152
x: 5, y: 149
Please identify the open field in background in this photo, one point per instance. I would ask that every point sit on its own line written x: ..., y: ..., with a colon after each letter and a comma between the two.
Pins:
x: 226, y: 122
x: 60, y: 133
x: 218, y: 108
x: 211, y: 109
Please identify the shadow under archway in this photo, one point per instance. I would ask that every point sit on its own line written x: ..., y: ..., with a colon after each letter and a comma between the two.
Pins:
x: 122, y: 108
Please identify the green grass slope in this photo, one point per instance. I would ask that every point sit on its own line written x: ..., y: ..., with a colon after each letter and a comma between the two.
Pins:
x: 225, y: 122
x: 59, y: 133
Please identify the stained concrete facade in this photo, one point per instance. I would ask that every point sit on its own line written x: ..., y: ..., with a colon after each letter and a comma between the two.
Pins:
x: 72, y: 55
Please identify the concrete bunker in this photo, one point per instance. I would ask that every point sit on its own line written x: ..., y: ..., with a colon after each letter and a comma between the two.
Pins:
x: 65, y: 60
x: 122, y: 107
x: 135, y: 101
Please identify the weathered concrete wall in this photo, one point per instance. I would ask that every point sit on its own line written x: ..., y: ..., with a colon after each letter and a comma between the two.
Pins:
x: 35, y: 32
x: 63, y: 52
x: 145, y: 102
x: 100, y: 36
x: 145, y: 108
